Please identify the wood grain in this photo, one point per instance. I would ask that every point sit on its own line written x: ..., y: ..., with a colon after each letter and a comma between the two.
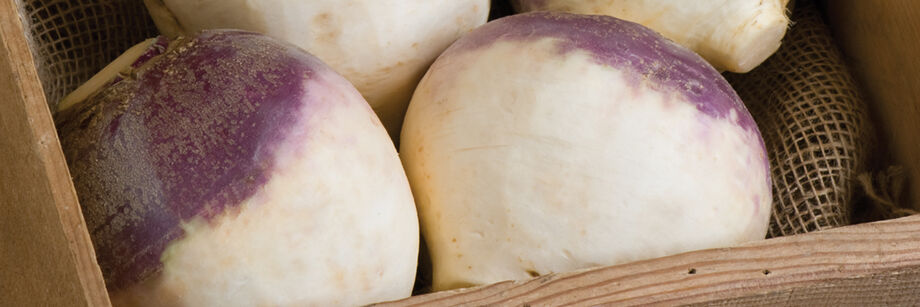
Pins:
x: 45, y: 251
x: 793, y: 270
x: 881, y: 39
x: 890, y: 288
x: 47, y: 258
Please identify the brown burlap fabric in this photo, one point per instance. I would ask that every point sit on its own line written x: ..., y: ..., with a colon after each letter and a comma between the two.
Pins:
x: 814, y: 123
x: 73, y: 39
x: 803, y: 98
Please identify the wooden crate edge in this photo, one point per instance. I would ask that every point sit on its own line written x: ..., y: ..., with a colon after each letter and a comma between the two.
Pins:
x: 43, y: 235
x: 774, y: 268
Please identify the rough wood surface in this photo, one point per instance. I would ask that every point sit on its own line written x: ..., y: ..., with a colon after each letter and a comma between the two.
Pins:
x: 880, y: 39
x: 46, y: 258
x: 891, y: 288
x: 852, y: 265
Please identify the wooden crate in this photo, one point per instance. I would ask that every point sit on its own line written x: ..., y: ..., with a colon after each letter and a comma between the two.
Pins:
x: 47, y: 258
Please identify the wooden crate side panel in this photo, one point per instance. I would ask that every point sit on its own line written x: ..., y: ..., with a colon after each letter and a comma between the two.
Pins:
x: 780, y: 268
x: 45, y: 251
x: 893, y: 288
x: 881, y: 39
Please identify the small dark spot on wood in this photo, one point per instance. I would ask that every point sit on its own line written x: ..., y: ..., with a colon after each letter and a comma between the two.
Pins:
x: 533, y: 273
x: 766, y: 272
x: 691, y: 271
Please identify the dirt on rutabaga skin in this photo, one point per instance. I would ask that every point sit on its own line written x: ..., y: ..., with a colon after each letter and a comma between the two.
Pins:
x: 191, y: 133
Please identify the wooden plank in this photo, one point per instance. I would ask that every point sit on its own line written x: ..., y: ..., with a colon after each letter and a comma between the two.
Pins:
x: 880, y: 39
x: 47, y: 258
x: 45, y: 251
x: 789, y: 270
x: 892, y: 288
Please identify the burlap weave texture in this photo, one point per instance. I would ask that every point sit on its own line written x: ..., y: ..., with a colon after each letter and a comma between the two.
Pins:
x: 815, y: 125
x: 73, y: 39
x: 805, y: 101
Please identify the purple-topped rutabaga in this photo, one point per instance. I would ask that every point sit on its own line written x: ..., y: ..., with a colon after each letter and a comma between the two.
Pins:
x: 551, y: 142
x: 231, y: 168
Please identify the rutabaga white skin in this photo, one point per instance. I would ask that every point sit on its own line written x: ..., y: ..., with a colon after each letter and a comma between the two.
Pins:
x: 324, y: 231
x: 382, y: 46
x: 733, y: 35
x: 527, y: 160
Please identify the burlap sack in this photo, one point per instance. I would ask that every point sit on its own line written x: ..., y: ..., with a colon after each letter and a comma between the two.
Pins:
x: 803, y: 98
x: 814, y: 123
x: 73, y: 39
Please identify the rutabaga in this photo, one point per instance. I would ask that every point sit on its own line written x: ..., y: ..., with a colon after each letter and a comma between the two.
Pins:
x: 382, y: 46
x: 231, y: 169
x: 549, y: 142
x: 733, y: 35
